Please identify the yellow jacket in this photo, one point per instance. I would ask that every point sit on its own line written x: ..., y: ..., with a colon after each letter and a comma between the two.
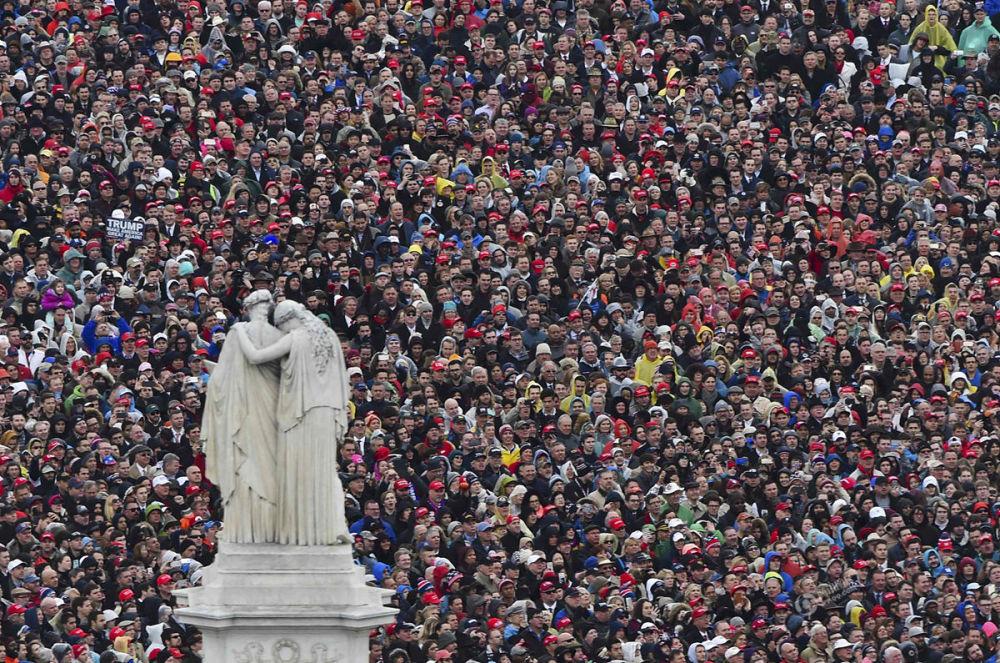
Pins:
x: 645, y: 369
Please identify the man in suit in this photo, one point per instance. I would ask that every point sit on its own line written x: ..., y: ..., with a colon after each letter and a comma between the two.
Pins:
x: 883, y: 25
x: 259, y: 171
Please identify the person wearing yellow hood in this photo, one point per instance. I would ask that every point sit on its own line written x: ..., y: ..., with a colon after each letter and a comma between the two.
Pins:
x: 920, y: 270
x: 949, y: 302
x: 706, y: 338
x: 533, y: 394
x: 578, y: 389
x: 489, y: 170
x: 854, y: 611
x: 770, y: 379
x: 672, y: 90
x: 939, y: 39
x: 19, y: 236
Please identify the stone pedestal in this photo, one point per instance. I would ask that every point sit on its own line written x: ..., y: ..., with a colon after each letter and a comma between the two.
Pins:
x: 269, y: 603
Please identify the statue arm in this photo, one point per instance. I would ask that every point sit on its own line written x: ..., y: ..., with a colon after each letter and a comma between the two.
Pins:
x: 271, y: 352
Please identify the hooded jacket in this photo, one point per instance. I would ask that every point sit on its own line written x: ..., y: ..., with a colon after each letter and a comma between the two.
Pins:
x: 937, y: 34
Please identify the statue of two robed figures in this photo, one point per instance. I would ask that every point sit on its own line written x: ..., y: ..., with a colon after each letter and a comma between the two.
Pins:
x: 276, y: 409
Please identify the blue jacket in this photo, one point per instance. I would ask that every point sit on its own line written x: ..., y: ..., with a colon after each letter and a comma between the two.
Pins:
x: 359, y: 525
x: 92, y: 341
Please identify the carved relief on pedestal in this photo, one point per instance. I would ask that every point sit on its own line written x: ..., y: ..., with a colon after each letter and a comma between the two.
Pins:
x: 283, y: 651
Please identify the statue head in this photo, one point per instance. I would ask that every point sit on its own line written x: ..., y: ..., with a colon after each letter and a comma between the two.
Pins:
x: 257, y: 303
x: 288, y: 315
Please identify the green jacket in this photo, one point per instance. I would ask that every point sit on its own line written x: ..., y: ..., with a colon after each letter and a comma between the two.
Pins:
x: 975, y: 37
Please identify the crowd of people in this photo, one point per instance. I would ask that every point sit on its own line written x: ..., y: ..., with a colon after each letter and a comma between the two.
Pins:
x: 670, y: 326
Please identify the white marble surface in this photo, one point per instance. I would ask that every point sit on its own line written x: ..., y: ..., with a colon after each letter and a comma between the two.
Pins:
x: 270, y: 603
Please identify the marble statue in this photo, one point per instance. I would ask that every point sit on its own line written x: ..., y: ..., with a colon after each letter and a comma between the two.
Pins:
x: 241, y: 429
x: 312, y: 397
x: 284, y: 587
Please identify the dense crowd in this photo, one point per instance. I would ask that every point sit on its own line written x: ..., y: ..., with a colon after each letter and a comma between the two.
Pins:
x: 670, y: 327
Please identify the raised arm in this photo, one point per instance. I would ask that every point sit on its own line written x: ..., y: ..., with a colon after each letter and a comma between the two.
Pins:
x: 271, y: 352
